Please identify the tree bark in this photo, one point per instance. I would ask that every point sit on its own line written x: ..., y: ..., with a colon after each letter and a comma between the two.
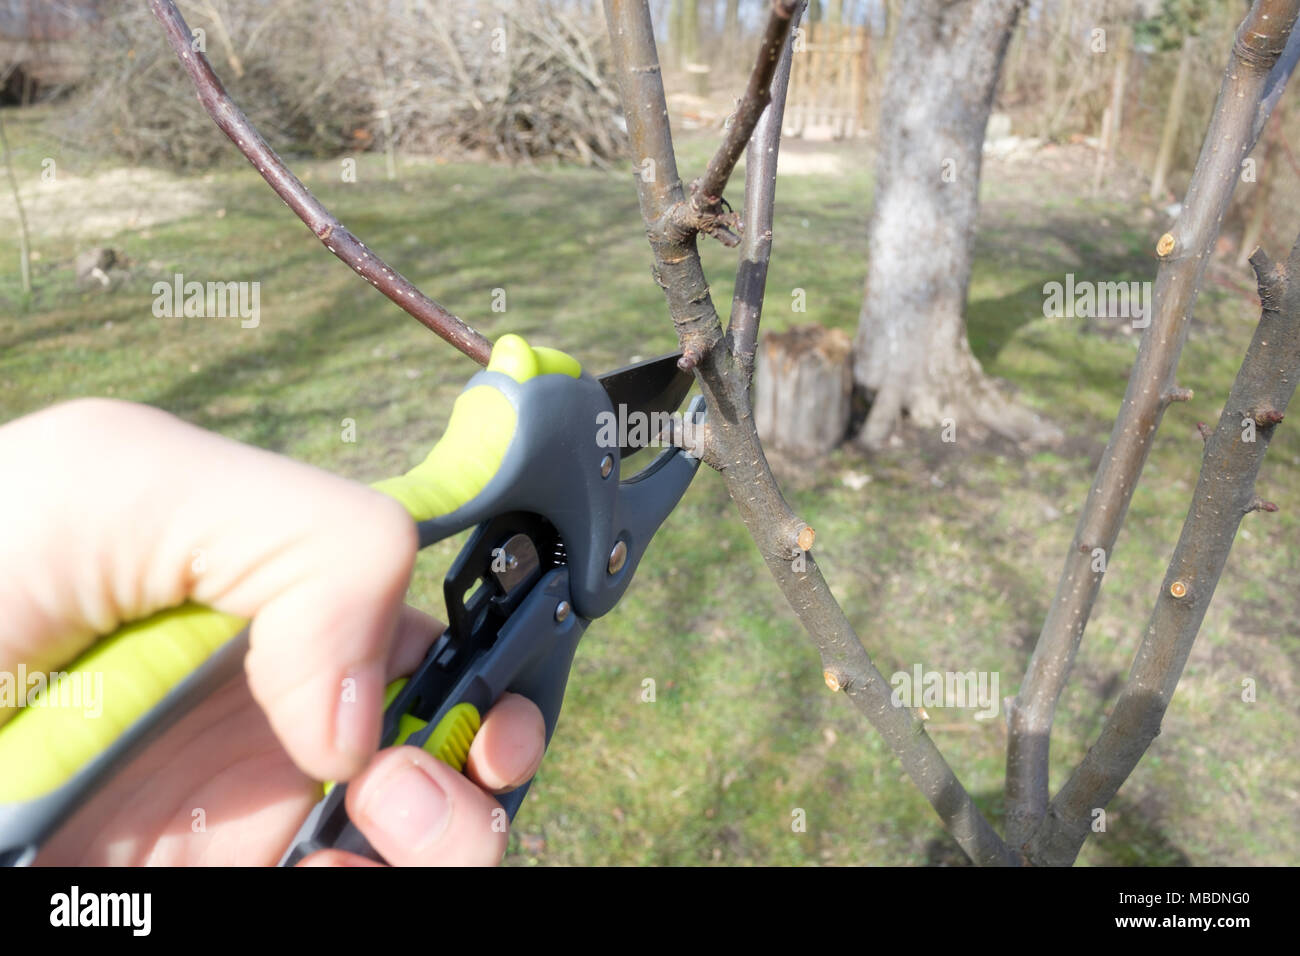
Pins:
x: 732, y: 445
x: 911, y: 350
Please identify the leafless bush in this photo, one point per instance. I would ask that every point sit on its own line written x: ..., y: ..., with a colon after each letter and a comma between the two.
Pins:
x: 515, y: 79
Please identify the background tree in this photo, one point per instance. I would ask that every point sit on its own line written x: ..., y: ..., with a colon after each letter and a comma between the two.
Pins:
x: 911, y: 351
x: 1173, y: 29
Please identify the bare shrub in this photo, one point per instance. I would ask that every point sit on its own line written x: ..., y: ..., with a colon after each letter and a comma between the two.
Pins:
x: 515, y: 79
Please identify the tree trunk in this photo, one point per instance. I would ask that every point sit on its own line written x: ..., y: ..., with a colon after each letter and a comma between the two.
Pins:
x: 676, y: 21
x: 731, y: 18
x: 698, y: 72
x: 911, y: 350
x: 1055, y: 65
x: 731, y: 35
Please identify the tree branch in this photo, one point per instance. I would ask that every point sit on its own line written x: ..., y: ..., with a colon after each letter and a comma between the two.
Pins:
x: 1276, y: 83
x: 337, y: 239
x: 708, y: 188
x: 760, y: 200
x: 734, y: 449
x: 703, y: 211
x: 1225, y: 492
x: 1184, y: 252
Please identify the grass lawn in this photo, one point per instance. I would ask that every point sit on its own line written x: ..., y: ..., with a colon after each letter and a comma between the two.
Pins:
x: 943, y: 555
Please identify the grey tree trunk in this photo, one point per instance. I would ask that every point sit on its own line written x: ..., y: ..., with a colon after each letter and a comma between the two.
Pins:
x: 911, y: 351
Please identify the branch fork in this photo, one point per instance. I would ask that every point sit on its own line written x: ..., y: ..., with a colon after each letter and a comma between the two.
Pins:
x: 724, y: 375
x: 1183, y: 252
x: 1267, y: 381
x: 705, y: 210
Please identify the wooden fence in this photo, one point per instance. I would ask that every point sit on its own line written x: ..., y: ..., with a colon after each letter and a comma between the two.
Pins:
x: 828, y: 90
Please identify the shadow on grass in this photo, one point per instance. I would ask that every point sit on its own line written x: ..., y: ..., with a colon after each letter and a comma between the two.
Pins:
x: 1143, y: 843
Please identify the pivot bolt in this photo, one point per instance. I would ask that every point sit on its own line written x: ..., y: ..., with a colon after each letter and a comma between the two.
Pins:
x: 562, y: 611
x: 618, y: 557
x: 606, y: 466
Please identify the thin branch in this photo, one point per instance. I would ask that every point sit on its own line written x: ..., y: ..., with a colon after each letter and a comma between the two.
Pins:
x: 708, y: 188
x: 704, y: 210
x: 760, y: 201
x: 1276, y: 83
x: 1224, y: 494
x: 336, y: 237
x: 1184, y: 252
x: 733, y: 448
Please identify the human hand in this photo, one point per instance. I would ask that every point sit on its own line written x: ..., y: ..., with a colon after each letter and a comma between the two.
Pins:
x: 109, y: 509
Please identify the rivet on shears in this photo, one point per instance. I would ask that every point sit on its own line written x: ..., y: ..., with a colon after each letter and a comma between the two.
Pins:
x: 562, y: 611
x: 606, y: 466
x: 618, y: 558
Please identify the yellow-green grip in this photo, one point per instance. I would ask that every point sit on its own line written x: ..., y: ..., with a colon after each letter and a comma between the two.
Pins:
x: 41, y: 748
x: 450, y: 740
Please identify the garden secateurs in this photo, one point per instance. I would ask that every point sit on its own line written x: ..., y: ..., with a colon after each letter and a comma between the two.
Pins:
x: 527, y: 462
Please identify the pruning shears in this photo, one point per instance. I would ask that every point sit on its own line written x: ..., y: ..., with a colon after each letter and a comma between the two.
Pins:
x: 527, y: 460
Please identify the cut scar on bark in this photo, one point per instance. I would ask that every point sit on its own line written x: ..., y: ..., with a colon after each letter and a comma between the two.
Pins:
x: 801, y: 538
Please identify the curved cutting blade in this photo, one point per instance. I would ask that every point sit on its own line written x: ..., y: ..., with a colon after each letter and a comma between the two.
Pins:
x: 646, y: 388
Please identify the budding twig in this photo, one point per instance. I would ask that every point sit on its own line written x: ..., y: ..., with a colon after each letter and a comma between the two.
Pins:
x: 1259, y: 504
x: 1224, y: 494
x: 706, y: 192
x: 1184, y: 253
x: 760, y: 202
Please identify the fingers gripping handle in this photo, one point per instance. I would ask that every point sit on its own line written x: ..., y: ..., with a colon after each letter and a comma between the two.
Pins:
x: 532, y: 656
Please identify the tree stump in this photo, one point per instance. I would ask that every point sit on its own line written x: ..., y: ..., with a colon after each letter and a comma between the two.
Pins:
x: 803, y: 386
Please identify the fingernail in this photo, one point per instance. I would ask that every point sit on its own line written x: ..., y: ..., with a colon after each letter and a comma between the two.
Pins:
x: 407, y: 805
x: 359, y: 712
